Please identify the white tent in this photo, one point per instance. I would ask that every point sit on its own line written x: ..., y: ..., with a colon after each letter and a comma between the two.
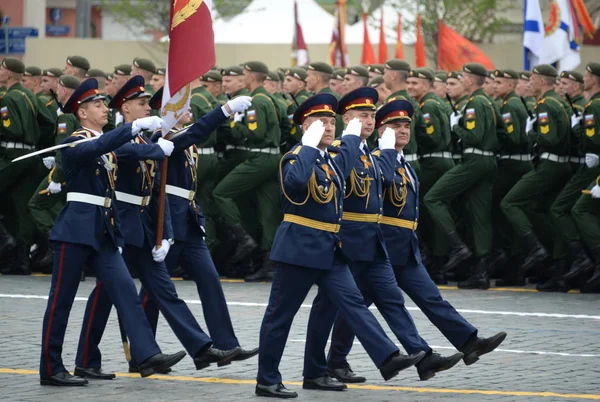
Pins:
x: 272, y: 22
x: 354, y: 33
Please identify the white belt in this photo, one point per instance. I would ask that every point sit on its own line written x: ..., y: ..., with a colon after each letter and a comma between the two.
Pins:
x: 411, y: 157
x: 554, y: 158
x: 456, y: 156
x: 206, y: 151
x: 445, y: 155
x: 478, y: 152
x: 16, y: 145
x: 577, y: 159
x: 89, y: 199
x: 180, y: 192
x: 522, y: 157
x: 272, y: 151
x: 132, y: 199
x: 240, y: 147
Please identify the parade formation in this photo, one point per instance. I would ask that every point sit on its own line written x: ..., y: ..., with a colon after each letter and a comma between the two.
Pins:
x: 368, y: 181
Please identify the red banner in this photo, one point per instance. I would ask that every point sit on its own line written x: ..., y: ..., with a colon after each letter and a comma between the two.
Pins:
x: 454, y: 50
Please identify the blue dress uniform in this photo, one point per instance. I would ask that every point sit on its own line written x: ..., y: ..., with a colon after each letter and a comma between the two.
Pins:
x: 137, y: 208
x: 308, y: 250
x: 87, y: 230
x: 398, y: 224
x: 190, y: 250
x: 363, y: 241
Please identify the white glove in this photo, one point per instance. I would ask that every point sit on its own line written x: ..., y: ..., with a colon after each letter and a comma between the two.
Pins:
x: 312, y: 136
x: 592, y: 160
x: 575, y: 120
x: 160, y: 254
x: 596, y: 191
x: 54, y: 188
x: 49, y: 162
x: 237, y: 104
x: 238, y: 117
x: 151, y: 123
x: 120, y: 249
x: 354, y: 127
x: 454, y: 119
x: 166, y: 146
x: 529, y: 124
x: 388, y: 139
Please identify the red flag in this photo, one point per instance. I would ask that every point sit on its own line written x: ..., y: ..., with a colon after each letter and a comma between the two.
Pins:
x: 399, y: 45
x: 420, y: 58
x: 454, y: 50
x: 382, y: 45
x: 299, y: 50
x: 338, y: 52
x: 368, y: 55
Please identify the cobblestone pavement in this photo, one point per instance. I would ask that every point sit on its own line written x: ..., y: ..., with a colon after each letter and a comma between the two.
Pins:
x: 551, y: 353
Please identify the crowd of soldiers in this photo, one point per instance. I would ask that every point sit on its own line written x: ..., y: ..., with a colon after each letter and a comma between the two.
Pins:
x: 507, y: 161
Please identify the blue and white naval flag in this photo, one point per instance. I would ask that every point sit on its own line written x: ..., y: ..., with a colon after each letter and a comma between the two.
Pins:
x: 533, y: 32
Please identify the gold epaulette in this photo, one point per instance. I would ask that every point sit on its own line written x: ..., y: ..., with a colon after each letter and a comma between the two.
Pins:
x: 377, y: 153
x: 297, y: 150
x: 541, y: 101
x: 49, y: 102
x: 81, y: 132
x: 336, y: 143
x: 333, y: 154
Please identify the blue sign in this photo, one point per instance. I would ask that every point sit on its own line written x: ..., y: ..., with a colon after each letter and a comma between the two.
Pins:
x: 15, y: 46
x: 56, y: 15
x: 18, y: 32
x: 57, y: 30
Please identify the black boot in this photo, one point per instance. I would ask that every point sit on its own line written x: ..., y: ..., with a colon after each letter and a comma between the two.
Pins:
x: 265, y: 273
x: 556, y: 283
x: 44, y: 259
x: 459, y: 252
x: 7, y: 242
x: 498, y: 264
x: 20, y: 265
x: 581, y: 265
x: 537, y: 252
x: 245, y: 243
x: 480, y: 278
x: 593, y: 284
x: 514, y: 274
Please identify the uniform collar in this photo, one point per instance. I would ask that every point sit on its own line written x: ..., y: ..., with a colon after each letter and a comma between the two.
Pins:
x: 400, y: 156
x: 96, y: 133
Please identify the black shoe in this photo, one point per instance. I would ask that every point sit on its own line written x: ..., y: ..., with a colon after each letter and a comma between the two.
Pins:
x: 346, y: 375
x: 265, y: 273
x: 274, y: 391
x: 514, y: 274
x: 459, y: 252
x: 63, y: 379
x: 245, y: 243
x: 582, y: 265
x: 479, y: 278
x: 159, y: 362
x: 212, y: 355
x: 556, y: 283
x: 537, y: 252
x: 434, y: 363
x: 325, y: 383
x: 95, y: 373
x: 7, y: 241
x: 435, y: 272
x: 245, y: 354
x: 498, y: 264
x: 133, y: 368
x: 593, y: 284
x: 477, y: 347
x: 398, y: 362
x: 21, y: 265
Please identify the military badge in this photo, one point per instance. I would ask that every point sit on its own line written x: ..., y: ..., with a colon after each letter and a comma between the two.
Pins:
x: 62, y: 128
x: 470, y: 114
x: 427, y: 118
x: 251, y: 116
x: 544, y: 129
x: 507, y: 117
x: 543, y: 118
x: 589, y: 120
x: 4, y: 113
x: 365, y: 160
x: 328, y: 170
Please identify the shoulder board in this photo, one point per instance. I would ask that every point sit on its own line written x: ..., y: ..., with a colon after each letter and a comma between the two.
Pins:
x: 470, y: 99
x: 541, y: 101
x: 80, y: 133
x: 297, y: 150
x: 50, y: 102
x: 336, y: 143
x: 333, y: 154
x: 377, y: 153
x: 579, y: 107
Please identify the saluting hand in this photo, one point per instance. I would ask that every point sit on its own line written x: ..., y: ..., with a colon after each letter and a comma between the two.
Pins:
x: 354, y: 127
x: 312, y: 136
x: 388, y: 139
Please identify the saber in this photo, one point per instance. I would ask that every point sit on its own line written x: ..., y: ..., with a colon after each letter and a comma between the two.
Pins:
x: 452, y: 105
x: 526, y: 107
x: 54, y: 148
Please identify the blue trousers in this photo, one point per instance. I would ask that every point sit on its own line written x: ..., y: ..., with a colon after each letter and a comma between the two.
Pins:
x: 377, y: 283
x: 415, y: 281
x: 291, y: 284
x: 154, y: 277
x: 116, y: 282
x: 194, y: 257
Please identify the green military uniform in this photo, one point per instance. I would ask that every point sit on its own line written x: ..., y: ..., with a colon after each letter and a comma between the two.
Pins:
x: 146, y: 65
x: 259, y: 130
x: 24, y: 121
x: 327, y: 70
x: 295, y: 133
x: 114, y: 117
x: 286, y: 125
x: 529, y: 199
x: 473, y: 177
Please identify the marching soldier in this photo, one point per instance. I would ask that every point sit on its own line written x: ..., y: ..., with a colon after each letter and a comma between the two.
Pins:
x: 439, y: 86
x: 77, y: 66
x: 459, y: 97
x: 272, y: 84
x: 158, y: 79
x: 318, y: 77
x: 312, y: 188
x: 213, y: 82
x: 32, y: 80
x: 525, y: 90
x: 378, y: 84
x: 336, y: 83
x: 49, y: 84
x: 146, y: 69
x: 571, y: 83
x: 90, y: 174
x: 100, y: 76
x: 356, y: 77
x: 488, y: 85
x: 375, y: 70
x: 294, y: 85
x: 473, y: 178
x: 121, y: 75
x: 529, y: 198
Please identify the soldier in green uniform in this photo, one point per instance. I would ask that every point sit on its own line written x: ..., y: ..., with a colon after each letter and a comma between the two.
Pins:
x: 213, y: 82
x: 525, y: 91
x: 382, y: 91
x: 529, y: 199
x: 49, y: 84
x: 488, y: 85
x: 375, y: 70
x: 439, y: 85
x: 395, y: 76
x: 294, y: 85
x: 259, y: 129
x: 355, y: 78
x: 121, y: 74
x: 459, y: 98
x: 158, y: 79
x: 100, y: 76
x: 49, y: 198
x: 571, y: 83
x: 24, y: 121
x: 318, y: 78
x: 473, y: 178
x: 583, y: 124
x: 146, y: 68
x: 272, y: 84
x: 514, y: 161
x: 336, y: 83
x: 77, y: 66
x: 32, y: 80
x: 435, y: 147
x: 586, y: 212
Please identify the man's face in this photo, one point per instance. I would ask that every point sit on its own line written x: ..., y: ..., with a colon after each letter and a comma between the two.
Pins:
x: 119, y: 80
x: 95, y: 113
x: 454, y: 88
x: 488, y: 86
x: 247, y: 79
x: 503, y: 86
x: 388, y: 78
x: 328, y: 134
x: 63, y: 93
x: 521, y: 89
x: 337, y: 86
x: 312, y: 80
x: 233, y: 84
x: 366, y: 117
x: 135, y: 70
x: 440, y: 89
x: 570, y: 87
x: 589, y: 80
x: 48, y: 83
x: 352, y: 82
x: 71, y: 70
x: 559, y: 88
x: 4, y: 74
x: 292, y: 85
x: 402, y: 130
x: 213, y: 87
x: 417, y: 87
x: 383, y: 92
x: 28, y: 82
x: 270, y: 86
x: 157, y: 81
x: 136, y: 109
x: 373, y: 74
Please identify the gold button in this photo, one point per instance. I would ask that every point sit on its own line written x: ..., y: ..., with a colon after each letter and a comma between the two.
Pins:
x: 106, y: 213
x: 142, y: 210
